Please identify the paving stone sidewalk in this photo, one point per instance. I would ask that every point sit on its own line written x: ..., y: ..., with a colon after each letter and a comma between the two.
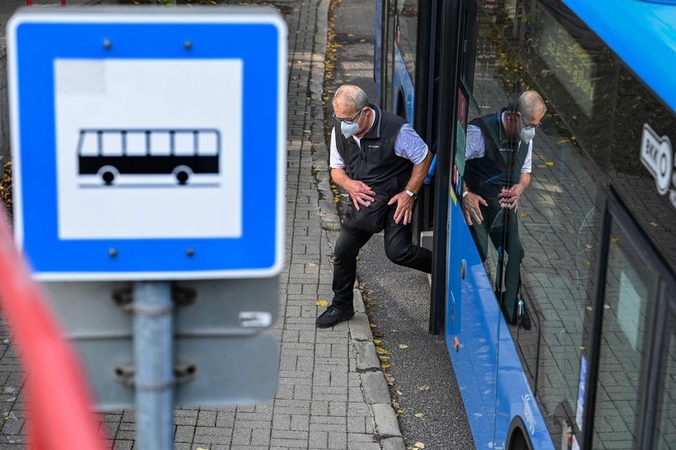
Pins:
x: 332, y: 393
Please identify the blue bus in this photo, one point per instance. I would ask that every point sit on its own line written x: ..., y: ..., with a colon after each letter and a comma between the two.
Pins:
x: 588, y: 358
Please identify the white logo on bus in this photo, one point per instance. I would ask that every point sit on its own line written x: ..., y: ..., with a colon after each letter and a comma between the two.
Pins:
x: 657, y: 156
x: 528, y: 416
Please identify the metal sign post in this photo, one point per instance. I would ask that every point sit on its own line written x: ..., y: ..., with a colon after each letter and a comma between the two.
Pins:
x: 153, y: 362
x: 149, y: 159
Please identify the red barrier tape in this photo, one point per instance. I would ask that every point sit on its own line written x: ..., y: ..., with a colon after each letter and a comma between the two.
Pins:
x: 59, y: 409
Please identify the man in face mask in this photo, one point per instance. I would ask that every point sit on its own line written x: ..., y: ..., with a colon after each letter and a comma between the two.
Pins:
x: 381, y: 162
x: 498, y: 157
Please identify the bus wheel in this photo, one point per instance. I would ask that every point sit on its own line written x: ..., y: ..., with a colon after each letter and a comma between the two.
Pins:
x: 108, y: 174
x: 518, y: 442
x: 182, y: 174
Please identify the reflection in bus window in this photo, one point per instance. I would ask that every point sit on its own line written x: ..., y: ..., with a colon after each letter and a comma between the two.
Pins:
x: 625, y: 309
x: 557, y: 216
x: 665, y: 435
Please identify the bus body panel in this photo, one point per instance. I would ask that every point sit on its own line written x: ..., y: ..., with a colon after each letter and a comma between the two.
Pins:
x: 147, y: 165
x: 495, y: 388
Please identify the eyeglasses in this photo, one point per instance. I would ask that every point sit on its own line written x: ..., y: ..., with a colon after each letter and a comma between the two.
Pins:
x: 350, y: 120
x: 527, y: 125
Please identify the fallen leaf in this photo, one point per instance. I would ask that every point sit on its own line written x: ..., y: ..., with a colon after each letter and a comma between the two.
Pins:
x: 398, y: 392
x: 418, y: 445
x: 419, y: 415
x: 424, y: 388
x: 322, y: 303
x: 377, y: 341
x: 403, y: 346
x: 380, y: 350
x: 549, y: 164
x: 373, y: 325
x: 384, y: 366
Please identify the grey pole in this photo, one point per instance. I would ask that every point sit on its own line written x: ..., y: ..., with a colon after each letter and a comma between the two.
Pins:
x: 153, y: 361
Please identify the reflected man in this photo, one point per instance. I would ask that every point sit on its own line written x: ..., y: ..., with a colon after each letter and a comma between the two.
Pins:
x: 497, y: 171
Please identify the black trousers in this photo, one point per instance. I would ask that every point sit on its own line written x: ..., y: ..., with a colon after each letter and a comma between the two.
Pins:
x: 398, y: 248
x: 509, y: 242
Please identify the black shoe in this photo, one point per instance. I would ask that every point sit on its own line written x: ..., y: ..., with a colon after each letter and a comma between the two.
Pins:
x: 333, y: 316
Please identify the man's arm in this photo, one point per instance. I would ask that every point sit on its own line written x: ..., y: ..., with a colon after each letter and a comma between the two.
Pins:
x: 405, y: 202
x: 475, y: 147
x: 509, y: 198
x: 359, y: 191
x: 471, y: 205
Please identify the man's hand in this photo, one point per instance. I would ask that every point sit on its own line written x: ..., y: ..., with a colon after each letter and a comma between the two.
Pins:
x: 509, y: 197
x: 405, y: 206
x: 471, y: 207
x: 360, y: 193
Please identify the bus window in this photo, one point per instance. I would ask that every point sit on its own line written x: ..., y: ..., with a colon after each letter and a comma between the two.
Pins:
x: 136, y: 143
x: 111, y: 143
x: 207, y: 143
x: 160, y: 143
x: 399, y: 52
x: 555, y: 228
x: 666, y: 408
x: 184, y: 143
x: 619, y: 383
x: 88, y: 144
x: 407, y: 13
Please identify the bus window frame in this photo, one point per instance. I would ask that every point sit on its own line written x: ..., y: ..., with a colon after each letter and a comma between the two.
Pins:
x: 617, y: 213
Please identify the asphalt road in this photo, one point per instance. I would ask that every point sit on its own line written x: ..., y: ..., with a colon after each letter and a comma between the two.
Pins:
x: 423, y: 381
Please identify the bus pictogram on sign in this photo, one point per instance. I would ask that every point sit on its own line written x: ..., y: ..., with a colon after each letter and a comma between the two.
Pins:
x: 107, y: 156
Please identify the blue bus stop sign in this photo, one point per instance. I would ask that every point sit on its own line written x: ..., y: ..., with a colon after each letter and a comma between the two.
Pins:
x: 149, y: 143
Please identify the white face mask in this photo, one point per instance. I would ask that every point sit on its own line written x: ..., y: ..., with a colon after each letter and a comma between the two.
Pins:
x: 527, y: 134
x: 349, y: 129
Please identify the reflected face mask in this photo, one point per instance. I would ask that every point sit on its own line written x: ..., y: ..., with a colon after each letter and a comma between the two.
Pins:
x: 527, y: 134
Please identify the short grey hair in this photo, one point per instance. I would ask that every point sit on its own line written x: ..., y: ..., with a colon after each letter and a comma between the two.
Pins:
x: 531, y: 102
x: 351, y: 95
